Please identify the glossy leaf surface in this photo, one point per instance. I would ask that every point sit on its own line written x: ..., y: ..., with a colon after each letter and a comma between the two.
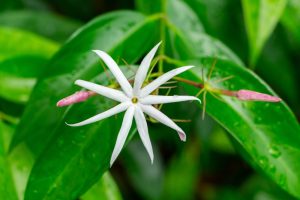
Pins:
x: 188, y: 37
x: 46, y: 24
x: 261, y: 17
x: 105, y: 188
x: 291, y: 19
x: 268, y: 132
x: 15, y: 42
x: 18, y: 76
x: 82, y: 152
x: 7, y: 189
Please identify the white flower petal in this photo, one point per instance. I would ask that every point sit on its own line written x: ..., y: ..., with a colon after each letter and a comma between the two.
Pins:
x: 162, y: 79
x: 158, y: 99
x: 104, y: 91
x: 143, y: 69
x: 115, y: 110
x: 116, y: 71
x: 162, y: 118
x: 142, y: 128
x: 126, y: 125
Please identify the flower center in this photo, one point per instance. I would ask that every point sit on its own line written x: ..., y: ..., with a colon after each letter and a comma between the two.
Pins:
x: 134, y: 100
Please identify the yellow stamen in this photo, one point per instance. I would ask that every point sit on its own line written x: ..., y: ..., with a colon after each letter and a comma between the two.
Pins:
x: 134, y: 100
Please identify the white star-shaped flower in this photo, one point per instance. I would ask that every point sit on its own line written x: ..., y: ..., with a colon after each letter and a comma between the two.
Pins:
x: 136, y: 101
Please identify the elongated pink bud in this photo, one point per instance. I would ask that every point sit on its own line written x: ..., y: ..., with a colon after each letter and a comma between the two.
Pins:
x: 75, y: 98
x: 248, y: 95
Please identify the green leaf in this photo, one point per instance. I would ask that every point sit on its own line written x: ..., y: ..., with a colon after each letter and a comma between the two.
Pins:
x: 261, y: 186
x: 268, y: 132
x: 188, y: 37
x: 105, y: 188
x: 58, y: 28
x: 291, y: 19
x: 276, y: 67
x: 7, y: 5
x: 17, y: 163
x: 21, y: 161
x: 223, y: 21
x: 185, y: 168
x: 7, y: 189
x: 18, y: 76
x: 148, y: 7
x: 185, y: 31
x: 83, y: 152
x: 260, y: 17
x: 10, y: 4
x: 139, y: 169
x: 15, y: 42
x: 188, y: 21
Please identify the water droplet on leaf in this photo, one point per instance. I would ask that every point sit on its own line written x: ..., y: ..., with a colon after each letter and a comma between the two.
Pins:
x: 274, y: 151
x: 263, y: 161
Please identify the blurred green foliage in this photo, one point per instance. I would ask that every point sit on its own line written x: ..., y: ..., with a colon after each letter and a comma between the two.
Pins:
x: 241, y: 150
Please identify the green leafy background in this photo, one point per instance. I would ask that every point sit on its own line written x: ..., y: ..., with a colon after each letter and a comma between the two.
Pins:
x: 241, y: 150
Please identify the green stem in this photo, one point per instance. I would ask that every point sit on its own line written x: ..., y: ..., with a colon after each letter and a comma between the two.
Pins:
x: 193, y: 83
x: 8, y: 118
x: 162, y: 36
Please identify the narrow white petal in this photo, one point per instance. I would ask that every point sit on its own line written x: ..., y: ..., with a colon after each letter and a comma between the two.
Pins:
x: 157, y: 99
x: 162, y: 79
x: 116, y: 71
x: 162, y: 118
x: 142, y: 127
x: 104, y: 91
x: 126, y: 125
x: 115, y: 110
x: 143, y: 69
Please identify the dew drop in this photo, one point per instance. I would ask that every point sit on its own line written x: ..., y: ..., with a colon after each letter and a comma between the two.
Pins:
x: 94, y: 155
x: 267, y: 105
x: 236, y: 123
x: 259, y: 119
x: 272, y: 169
x: 274, y: 151
x: 282, y: 180
x: 263, y: 162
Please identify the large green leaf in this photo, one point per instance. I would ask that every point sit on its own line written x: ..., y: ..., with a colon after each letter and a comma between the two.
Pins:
x: 223, y: 20
x: 105, y: 188
x: 261, y: 17
x: 187, y: 37
x: 17, y: 42
x: 57, y: 27
x: 291, y: 19
x: 186, y: 32
x: 21, y: 161
x: 148, y: 7
x: 257, y: 185
x: 82, y: 152
x: 18, y: 76
x: 7, y: 189
x: 15, y: 166
x: 276, y: 67
x: 268, y: 132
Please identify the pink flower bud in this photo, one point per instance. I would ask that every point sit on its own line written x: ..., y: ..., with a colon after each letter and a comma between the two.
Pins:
x: 75, y: 98
x: 248, y: 95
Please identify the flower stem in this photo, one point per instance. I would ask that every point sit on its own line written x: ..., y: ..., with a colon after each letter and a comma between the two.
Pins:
x: 162, y: 35
x: 193, y: 83
x: 8, y: 118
